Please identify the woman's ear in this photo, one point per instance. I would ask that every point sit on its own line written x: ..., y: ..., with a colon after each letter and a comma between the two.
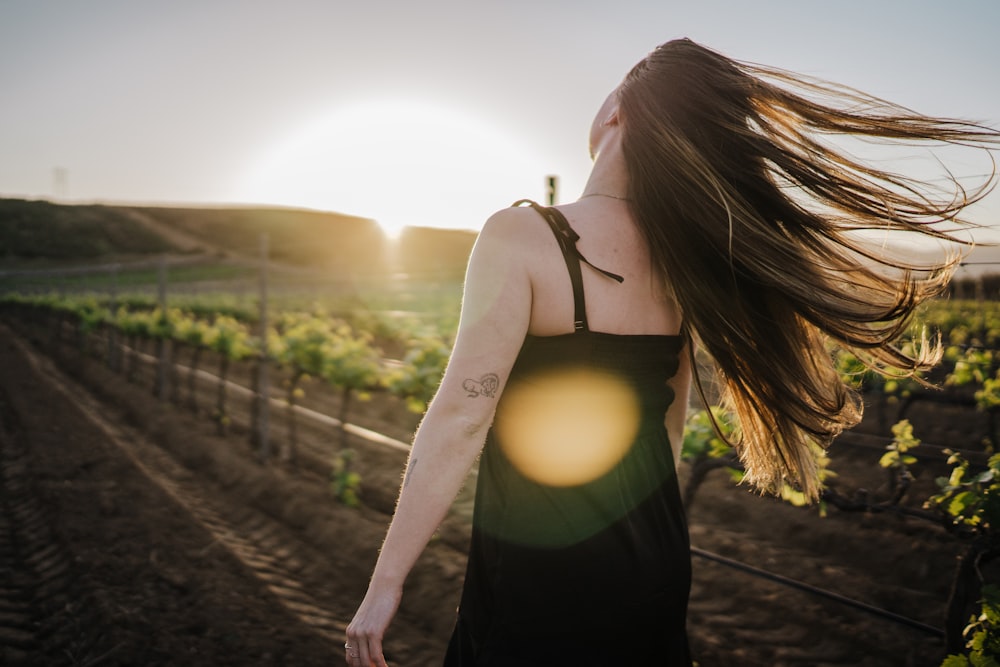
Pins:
x: 612, y: 118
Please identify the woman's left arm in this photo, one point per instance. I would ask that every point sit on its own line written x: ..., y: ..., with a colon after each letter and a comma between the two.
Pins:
x: 495, y: 314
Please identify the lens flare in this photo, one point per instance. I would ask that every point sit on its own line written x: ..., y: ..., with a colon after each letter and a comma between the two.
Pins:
x: 568, y: 427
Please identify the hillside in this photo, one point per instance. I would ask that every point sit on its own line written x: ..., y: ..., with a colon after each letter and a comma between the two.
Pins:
x: 43, y: 231
x: 298, y: 237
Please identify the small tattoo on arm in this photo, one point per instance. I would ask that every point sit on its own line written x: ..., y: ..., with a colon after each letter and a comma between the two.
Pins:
x: 486, y: 386
x: 409, y: 471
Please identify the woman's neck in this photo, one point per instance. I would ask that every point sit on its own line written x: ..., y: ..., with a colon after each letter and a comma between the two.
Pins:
x: 608, y: 176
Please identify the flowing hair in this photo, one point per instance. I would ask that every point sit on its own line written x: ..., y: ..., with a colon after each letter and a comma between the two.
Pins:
x: 751, y: 218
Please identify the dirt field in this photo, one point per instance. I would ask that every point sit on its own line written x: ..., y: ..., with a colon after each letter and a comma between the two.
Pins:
x: 135, y: 535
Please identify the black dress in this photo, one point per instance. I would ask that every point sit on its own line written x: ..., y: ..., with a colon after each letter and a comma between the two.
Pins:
x: 578, y: 558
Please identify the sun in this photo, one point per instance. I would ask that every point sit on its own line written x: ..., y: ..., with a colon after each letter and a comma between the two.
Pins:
x: 401, y: 162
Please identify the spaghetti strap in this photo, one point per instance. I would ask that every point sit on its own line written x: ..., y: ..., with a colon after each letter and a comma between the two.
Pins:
x: 567, y: 238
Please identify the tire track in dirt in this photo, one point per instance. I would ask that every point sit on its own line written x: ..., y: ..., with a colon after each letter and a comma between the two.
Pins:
x: 263, y: 545
x: 42, y: 605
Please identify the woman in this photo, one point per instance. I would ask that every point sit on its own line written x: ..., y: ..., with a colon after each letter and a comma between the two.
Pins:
x: 716, y: 216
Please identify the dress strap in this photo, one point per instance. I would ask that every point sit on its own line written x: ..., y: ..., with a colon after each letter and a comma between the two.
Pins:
x: 567, y: 238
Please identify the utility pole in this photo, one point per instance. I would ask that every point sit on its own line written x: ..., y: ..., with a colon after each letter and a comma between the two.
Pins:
x: 60, y: 182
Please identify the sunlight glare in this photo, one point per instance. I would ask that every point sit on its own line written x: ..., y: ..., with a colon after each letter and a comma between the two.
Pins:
x: 568, y: 427
x: 400, y: 162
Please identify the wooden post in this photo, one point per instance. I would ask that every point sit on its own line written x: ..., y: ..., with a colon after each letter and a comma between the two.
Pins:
x: 114, y: 356
x: 263, y: 387
x: 162, y: 356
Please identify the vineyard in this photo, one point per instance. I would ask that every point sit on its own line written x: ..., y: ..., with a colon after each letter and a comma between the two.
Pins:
x: 270, y: 442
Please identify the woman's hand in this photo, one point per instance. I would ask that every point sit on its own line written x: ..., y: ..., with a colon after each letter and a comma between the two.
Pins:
x: 366, y: 630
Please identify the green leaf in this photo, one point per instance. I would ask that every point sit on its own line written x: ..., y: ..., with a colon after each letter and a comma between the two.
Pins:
x: 983, y: 660
x: 955, y: 661
x: 991, y: 604
x: 793, y: 496
x: 961, y: 502
x: 903, y: 441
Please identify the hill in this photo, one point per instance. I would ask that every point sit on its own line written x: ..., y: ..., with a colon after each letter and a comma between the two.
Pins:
x: 42, y: 230
x: 426, y: 251
x: 298, y: 237
x: 82, y: 233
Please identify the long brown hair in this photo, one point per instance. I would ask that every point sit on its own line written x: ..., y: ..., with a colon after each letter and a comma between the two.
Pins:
x: 749, y: 214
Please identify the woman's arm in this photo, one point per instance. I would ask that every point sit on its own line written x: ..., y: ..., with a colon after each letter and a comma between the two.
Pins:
x: 495, y: 313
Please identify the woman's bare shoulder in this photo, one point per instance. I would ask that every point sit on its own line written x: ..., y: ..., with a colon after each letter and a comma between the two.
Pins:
x: 514, y: 227
x: 513, y: 220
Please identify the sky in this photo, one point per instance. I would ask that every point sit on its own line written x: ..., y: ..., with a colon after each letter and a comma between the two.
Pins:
x: 429, y: 112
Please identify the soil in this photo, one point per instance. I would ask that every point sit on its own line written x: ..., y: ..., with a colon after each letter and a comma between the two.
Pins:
x: 135, y: 534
